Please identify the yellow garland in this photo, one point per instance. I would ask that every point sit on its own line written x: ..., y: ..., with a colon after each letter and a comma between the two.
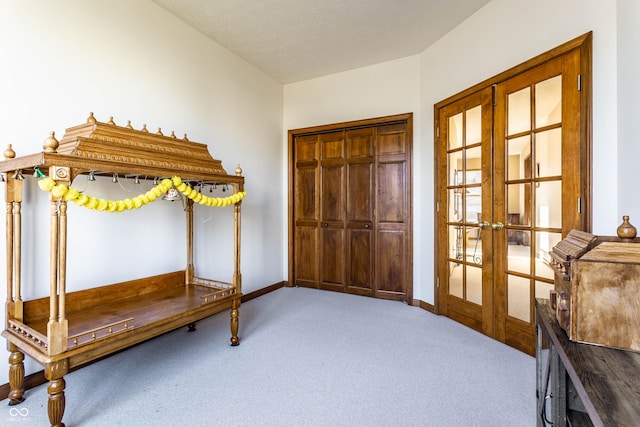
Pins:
x: 61, y: 191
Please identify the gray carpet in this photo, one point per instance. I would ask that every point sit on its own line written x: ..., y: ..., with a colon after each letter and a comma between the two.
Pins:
x: 306, y: 358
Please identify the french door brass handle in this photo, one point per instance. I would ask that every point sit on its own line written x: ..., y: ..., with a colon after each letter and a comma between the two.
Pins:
x: 483, y: 225
x: 497, y: 226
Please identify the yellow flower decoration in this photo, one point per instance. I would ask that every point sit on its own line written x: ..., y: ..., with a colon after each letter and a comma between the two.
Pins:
x: 46, y: 184
x: 61, y: 191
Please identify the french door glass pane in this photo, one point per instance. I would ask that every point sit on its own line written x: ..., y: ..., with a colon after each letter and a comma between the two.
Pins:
x: 455, y: 168
x: 548, y: 99
x: 456, y: 241
x: 455, y: 279
x: 518, y: 152
x: 519, y: 255
x: 545, y: 241
x: 473, y: 205
x: 473, y: 163
x: 455, y: 205
x: 455, y: 131
x: 549, y: 204
x: 542, y: 289
x: 519, y: 111
x: 548, y: 153
x: 474, y: 284
x: 474, y: 126
x: 518, y: 204
x: 519, y: 299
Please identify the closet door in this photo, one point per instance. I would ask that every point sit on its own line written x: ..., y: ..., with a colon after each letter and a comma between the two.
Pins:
x: 332, y: 211
x: 350, y: 207
x: 392, y: 212
x: 360, y: 204
x: 306, y: 211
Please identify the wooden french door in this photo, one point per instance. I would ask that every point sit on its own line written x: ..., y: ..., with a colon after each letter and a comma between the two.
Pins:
x: 512, y: 181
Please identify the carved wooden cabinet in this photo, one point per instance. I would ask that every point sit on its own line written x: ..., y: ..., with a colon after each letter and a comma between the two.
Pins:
x: 66, y: 330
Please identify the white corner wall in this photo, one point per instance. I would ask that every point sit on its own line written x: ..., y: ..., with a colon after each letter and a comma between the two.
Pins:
x: 501, y: 35
x: 628, y: 109
x: 61, y: 60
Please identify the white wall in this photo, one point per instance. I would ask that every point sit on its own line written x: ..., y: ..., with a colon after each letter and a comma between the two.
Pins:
x: 628, y: 50
x: 502, y: 35
x: 133, y: 61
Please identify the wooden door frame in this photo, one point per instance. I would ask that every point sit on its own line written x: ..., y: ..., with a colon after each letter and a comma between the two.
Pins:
x: 377, y: 121
x: 584, y: 44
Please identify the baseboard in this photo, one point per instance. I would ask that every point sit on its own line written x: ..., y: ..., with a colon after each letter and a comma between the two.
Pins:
x: 37, y: 378
x: 423, y: 305
x: 260, y: 292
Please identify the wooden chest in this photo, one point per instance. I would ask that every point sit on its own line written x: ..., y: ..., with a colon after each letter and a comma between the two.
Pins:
x: 597, y: 290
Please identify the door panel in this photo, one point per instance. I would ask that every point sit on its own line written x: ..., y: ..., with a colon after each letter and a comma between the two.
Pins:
x: 392, y: 212
x: 360, y: 184
x: 465, y: 253
x: 541, y: 201
x: 390, y: 274
x: 307, y: 256
x: 332, y: 221
x: 306, y: 212
x: 360, y: 261
x: 332, y: 267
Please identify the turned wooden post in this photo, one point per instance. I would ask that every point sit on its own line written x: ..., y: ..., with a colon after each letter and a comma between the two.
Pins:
x: 234, y: 322
x: 190, y: 269
x: 58, y: 327
x: 16, y: 376
x: 237, y: 276
x: 14, y: 307
x: 13, y: 195
x: 55, y: 372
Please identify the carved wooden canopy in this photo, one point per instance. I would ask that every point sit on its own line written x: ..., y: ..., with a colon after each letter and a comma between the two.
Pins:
x: 106, y: 148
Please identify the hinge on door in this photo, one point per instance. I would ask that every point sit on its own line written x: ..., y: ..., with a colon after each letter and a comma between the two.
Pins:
x: 437, y: 206
x: 438, y: 282
x: 437, y: 131
x: 493, y: 95
x: 579, y: 82
x: 579, y: 204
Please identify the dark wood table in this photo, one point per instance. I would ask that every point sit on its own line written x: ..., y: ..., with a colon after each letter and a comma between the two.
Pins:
x: 582, y: 384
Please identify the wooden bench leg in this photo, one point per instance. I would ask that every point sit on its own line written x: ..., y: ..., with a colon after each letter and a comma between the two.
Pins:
x: 234, y: 322
x: 16, y: 376
x: 55, y: 372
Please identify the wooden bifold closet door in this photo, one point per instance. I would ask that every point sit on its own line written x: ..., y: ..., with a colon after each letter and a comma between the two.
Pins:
x: 350, y: 207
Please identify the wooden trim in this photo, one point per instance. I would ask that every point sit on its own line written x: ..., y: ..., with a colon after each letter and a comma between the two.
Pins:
x: 37, y: 378
x: 577, y: 43
x: 351, y: 125
x: 423, y: 305
x: 263, y: 291
x: 586, y: 129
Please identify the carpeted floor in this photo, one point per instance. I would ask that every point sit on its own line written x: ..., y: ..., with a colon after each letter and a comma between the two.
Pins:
x: 306, y: 358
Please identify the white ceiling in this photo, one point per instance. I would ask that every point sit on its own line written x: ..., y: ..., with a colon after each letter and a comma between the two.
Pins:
x: 295, y: 40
